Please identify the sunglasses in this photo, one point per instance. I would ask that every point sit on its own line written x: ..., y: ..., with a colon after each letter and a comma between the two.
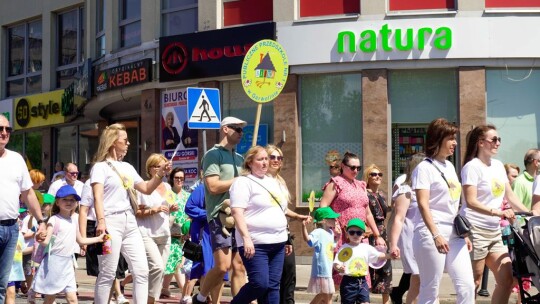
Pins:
x: 374, y: 174
x: 334, y: 167
x: 354, y: 168
x: 236, y: 129
x: 7, y: 129
x: 73, y: 173
x: 494, y: 139
x: 355, y: 232
x: 178, y: 178
x: 275, y: 157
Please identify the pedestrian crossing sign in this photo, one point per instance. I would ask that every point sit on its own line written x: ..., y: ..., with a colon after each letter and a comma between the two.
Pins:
x: 203, y: 107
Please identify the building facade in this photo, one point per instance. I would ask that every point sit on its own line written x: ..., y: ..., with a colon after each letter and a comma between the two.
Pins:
x: 365, y: 76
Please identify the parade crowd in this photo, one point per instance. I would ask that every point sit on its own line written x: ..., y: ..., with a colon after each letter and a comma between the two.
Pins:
x: 232, y: 225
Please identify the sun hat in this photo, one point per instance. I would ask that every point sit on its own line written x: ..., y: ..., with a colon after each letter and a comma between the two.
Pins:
x: 229, y: 120
x: 67, y: 190
x: 324, y: 213
x: 48, y: 199
x: 356, y: 222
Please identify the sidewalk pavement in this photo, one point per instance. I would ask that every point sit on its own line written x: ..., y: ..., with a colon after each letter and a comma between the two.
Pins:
x: 447, y: 294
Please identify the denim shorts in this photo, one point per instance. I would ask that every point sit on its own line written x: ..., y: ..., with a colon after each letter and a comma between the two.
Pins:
x: 218, y: 239
x: 354, y: 290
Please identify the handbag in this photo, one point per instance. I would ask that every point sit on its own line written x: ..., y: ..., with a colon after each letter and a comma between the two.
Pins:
x: 462, y: 226
x: 132, y: 193
x: 193, y: 251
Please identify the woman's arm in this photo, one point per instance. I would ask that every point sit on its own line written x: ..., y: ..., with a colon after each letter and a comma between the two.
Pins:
x: 422, y: 195
x: 295, y: 216
x: 101, y: 226
x: 370, y: 221
x: 401, y: 205
x: 328, y: 195
x: 473, y: 203
x: 240, y: 223
x: 512, y: 198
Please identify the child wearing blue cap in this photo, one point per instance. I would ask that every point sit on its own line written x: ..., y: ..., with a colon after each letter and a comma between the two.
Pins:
x: 323, y: 240
x: 56, y: 273
x: 353, y: 261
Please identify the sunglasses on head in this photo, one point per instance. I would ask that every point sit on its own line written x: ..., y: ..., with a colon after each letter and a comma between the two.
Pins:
x: 276, y: 157
x: 493, y: 139
x: 374, y: 174
x: 236, y: 128
x: 355, y: 232
x: 354, y: 168
x: 7, y: 129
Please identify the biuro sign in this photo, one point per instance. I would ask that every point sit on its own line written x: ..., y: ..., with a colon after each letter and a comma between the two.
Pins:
x: 123, y: 75
x: 394, y: 39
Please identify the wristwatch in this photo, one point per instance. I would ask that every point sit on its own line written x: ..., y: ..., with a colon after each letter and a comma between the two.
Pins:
x: 40, y: 221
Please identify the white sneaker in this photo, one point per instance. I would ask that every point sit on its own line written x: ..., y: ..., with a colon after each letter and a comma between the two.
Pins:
x: 122, y: 300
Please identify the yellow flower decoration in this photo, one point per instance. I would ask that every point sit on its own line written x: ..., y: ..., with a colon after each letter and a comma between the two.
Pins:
x: 170, y: 197
x: 127, y: 181
x: 455, y: 189
x: 330, y: 251
x: 358, y: 267
x: 497, y: 187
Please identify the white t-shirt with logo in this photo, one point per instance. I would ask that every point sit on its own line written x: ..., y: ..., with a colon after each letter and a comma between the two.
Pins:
x: 265, y: 218
x: 66, y: 236
x: 490, y: 184
x: 14, y: 178
x: 115, y: 197
x: 443, y: 201
x: 156, y: 225
x: 356, y: 259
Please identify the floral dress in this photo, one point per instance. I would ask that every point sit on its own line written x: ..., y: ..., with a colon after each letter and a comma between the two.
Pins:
x: 381, y: 279
x: 180, y: 218
x: 351, y: 201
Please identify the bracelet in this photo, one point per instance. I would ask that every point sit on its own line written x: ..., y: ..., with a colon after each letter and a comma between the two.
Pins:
x: 436, y: 236
x: 159, y: 176
x: 102, y: 218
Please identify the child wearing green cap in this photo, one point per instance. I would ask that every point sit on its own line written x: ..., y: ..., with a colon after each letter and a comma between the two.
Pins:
x: 353, y: 261
x: 323, y: 240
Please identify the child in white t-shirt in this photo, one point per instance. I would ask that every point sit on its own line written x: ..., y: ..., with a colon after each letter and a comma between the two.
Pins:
x: 323, y: 240
x: 353, y: 261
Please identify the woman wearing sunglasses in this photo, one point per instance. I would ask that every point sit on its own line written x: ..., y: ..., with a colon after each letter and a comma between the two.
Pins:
x: 485, y: 185
x: 348, y: 196
x: 436, y: 245
x: 381, y: 279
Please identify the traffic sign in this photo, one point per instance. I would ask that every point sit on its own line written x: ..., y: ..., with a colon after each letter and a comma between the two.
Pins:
x: 204, y: 111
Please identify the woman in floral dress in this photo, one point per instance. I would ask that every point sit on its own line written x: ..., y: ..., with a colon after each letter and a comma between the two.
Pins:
x: 179, y: 217
x: 347, y: 196
x: 381, y: 279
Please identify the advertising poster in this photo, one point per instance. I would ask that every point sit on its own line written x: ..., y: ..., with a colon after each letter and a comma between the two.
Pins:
x: 176, y: 136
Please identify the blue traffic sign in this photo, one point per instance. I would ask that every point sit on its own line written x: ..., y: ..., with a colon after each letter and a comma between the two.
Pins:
x: 204, y: 111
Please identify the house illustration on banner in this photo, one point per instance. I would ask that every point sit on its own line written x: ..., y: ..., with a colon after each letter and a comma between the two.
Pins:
x: 265, y: 70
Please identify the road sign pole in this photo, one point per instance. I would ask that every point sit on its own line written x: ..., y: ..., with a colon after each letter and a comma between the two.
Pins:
x: 256, y: 128
x: 204, y: 141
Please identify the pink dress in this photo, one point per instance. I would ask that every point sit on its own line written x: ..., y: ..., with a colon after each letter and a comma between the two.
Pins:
x: 351, y: 201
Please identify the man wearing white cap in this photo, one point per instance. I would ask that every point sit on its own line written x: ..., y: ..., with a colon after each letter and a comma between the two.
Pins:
x: 221, y: 165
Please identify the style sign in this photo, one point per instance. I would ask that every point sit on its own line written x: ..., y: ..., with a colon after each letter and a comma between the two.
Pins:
x: 265, y: 71
x: 124, y: 75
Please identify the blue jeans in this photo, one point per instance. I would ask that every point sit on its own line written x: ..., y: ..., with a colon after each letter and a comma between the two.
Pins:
x: 8, y: 242
x: 264, y: 274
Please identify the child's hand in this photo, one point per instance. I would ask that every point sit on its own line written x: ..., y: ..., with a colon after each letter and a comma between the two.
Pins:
x: 337, y: 231
x: 305, y: 222
x: 340, y: 268
x: 101, y: 237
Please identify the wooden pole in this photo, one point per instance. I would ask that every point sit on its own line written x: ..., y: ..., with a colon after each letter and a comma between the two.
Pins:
x: 256, y: 128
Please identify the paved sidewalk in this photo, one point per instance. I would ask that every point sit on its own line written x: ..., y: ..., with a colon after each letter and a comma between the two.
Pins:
x: 447, y: 293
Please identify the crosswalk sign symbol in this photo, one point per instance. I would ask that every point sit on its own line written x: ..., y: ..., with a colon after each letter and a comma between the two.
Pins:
x: 204, y: 110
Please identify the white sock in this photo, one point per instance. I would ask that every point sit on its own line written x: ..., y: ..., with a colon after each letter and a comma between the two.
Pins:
x: 201, y: 298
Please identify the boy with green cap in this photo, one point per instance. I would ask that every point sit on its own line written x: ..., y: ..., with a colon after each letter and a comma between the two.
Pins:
x: 353, y: 261
x: 323, y: 240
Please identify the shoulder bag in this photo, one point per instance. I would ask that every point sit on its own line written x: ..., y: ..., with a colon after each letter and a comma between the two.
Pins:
x: 461, y: 223
x: 132, y: 193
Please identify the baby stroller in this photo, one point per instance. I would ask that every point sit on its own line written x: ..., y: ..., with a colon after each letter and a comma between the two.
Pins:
x: 523, y: 243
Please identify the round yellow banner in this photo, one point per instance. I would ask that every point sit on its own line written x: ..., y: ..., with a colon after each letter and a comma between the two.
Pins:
x: 264, y: 71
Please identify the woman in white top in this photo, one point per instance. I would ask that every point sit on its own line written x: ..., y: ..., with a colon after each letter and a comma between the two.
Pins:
x: 485, y: 185
x: 153, y: 220
x: 435, y: 241
x: 110, y: 177
x: 401, y: 234
x: 258, y: 206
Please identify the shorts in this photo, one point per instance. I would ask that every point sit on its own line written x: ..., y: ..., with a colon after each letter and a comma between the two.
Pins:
x: 486, y: 241
x: 354, y: 290
x: 218, y: 239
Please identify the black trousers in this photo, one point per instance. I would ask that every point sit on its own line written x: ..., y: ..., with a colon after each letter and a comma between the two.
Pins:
x: 288, y: 279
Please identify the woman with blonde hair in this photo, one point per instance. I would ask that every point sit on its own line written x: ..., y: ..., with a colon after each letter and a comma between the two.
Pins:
x: 110, y: 179
x: 401, y: 235
x: 153, y: 220
x: 381, y: 279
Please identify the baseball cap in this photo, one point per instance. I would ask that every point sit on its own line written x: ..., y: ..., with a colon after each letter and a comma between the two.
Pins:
x: 324, y: 213
x: 229, y: 120
x: 48, y: 199
x: 356, y: 222
x: 67, y: 190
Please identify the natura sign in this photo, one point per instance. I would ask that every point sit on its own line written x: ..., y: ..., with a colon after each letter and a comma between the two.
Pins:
x: 389, y: 39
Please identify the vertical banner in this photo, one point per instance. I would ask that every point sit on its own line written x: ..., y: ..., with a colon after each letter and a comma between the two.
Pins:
x: 175, y: 133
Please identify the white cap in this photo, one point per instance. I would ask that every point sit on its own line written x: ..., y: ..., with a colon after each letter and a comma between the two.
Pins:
x: 229, y: 120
